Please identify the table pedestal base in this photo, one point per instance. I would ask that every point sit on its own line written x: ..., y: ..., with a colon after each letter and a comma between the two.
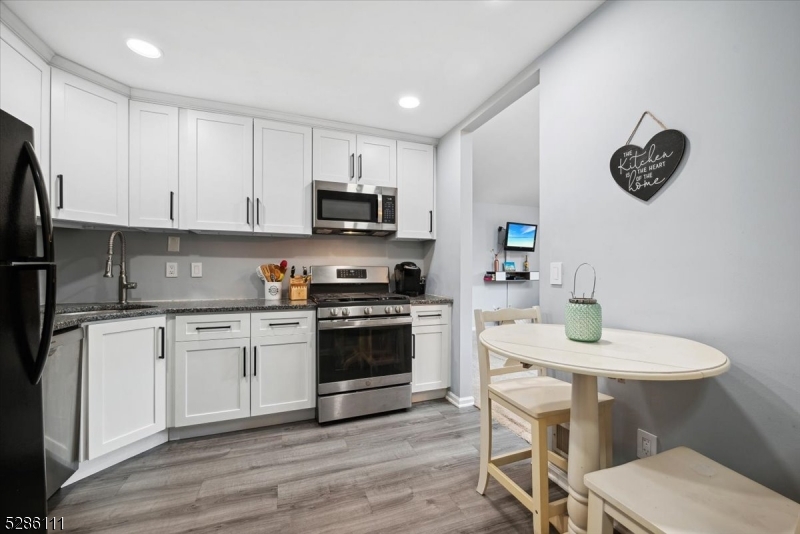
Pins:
x: 584, y: 448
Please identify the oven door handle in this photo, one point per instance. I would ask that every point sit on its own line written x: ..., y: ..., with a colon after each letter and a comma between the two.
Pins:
x: 363, y: 323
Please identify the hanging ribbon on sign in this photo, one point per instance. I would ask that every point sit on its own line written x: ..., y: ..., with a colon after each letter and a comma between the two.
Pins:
x: 642, y: 172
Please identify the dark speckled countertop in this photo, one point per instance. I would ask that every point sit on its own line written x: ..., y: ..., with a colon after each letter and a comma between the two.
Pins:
x: 111, y: 311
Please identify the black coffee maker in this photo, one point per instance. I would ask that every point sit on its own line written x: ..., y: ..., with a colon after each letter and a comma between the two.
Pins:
x: 407, y: 279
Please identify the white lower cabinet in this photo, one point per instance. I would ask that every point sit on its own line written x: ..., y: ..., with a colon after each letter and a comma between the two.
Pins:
x: 212, y: 381
x: 431, y: 348
x: 126, y: 383
x: 284, y: 376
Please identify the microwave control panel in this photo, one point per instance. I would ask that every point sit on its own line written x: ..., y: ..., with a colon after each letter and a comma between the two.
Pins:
x: 388, y: 210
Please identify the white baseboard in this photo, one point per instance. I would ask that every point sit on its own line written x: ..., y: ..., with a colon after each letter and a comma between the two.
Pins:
x: 90, y: 467
x: 460, y: 402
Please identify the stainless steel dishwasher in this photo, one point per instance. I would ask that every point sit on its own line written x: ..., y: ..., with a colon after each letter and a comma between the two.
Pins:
x: 61, y: 391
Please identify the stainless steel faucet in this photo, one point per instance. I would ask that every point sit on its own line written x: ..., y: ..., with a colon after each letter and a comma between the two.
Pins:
x: 124, y: 285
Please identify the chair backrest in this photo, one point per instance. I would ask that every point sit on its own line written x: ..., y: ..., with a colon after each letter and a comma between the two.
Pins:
x: 506, y: 316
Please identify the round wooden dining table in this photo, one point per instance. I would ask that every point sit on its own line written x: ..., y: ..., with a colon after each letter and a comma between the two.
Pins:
x: 619, y: 354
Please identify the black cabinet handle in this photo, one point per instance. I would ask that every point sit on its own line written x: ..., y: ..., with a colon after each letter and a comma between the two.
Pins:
x: 212, y: 327
x: 284, y: 324
x: 244, y: 362
x: 413, y: 346
x: 163, y: 342
x: 248, y: 210
x: 359, y: 166
x: 60, y: 179
x: 171, y: 205
x: 352, y: 165
x: 255, y: 361
x: 258, y: 211
x: 431, y: 221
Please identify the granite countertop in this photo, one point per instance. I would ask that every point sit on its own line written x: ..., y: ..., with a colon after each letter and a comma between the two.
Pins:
x: 110, y: 311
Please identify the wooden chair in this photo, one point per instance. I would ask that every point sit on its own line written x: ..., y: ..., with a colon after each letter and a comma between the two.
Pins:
x: 541, y: 400
x: 680, y: 491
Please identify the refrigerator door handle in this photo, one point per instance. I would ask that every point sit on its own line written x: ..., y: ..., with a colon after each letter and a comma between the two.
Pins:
x: 47, y: 324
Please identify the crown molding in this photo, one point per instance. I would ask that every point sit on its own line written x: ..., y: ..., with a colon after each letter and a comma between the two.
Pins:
x: 88, y: 74
x: 187, y: 102
x: 21, y: 30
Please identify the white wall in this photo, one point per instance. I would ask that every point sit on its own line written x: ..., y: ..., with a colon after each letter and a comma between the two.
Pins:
x: 490, y: 295
x: 714, y: 257
x: 229, y: 262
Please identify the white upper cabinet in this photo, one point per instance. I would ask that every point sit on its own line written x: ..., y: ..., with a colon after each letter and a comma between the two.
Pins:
x: 25, y: 92
x: 415, y: 191
x: 127, y: 388
x: 334, y: 156
x: 377, y: 161
x: 153, y: 166
x: 216, y: 171
x: 89, y: 151
x: 282, y: 178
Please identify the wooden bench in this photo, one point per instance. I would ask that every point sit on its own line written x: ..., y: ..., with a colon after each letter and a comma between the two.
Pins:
x: 680, y: 491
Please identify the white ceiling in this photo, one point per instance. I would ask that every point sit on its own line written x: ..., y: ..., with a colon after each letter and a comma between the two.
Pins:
x: 348, y: 61
x: 505, y: 155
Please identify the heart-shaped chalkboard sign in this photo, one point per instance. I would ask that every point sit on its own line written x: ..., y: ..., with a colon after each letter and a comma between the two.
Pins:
x: 643, y: 171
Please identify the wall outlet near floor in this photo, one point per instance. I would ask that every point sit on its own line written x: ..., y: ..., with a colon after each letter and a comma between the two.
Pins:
x: 646, y: 444
x: 172, y: 270
x: 197, y: 270
x: 173, y: 244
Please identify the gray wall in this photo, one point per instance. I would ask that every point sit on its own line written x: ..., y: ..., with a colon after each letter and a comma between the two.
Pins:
x: 229, y: 262
x: 714, y: 257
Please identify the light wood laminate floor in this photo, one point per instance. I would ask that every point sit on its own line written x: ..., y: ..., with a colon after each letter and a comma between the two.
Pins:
x: 411, y: 471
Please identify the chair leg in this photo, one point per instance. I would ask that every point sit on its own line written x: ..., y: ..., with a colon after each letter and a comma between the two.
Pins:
x: 598, y: 521
x: 486, y: 444
x: 540, y: 482
x: 606, y: 438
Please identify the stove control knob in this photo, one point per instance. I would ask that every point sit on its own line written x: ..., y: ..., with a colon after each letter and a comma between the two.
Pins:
x: 367, y: 310
x: 398, y: 309
x: 345, y: 312
x: 388, y: 309
x: 334, y: 312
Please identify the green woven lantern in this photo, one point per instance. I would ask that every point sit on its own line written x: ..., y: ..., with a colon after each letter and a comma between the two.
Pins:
x: 583, y: 317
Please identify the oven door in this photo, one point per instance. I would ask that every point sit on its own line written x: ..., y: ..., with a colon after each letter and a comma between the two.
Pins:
x: 354, y: 354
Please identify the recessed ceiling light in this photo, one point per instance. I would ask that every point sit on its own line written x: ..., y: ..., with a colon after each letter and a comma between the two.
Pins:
x: 143, y: 48
x: 409, y: 102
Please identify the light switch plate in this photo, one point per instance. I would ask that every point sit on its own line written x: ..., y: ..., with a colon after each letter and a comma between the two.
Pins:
x: 197, y: 270
x: 555, y: 273
x: 173, y: 244
x: 172, y: 270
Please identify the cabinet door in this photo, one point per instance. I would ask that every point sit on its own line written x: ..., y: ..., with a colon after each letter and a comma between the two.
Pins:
x: 211, y: 381
x: 415, y: 191
x: 334, y: 156
x: 25, y: 92
x: 431, y: 362
x: 284, y: 374
x: 89, y: 151
x: 377, y: 161
x: 282, y: 178
x: 127, y: 382
x: 216, y: 174
x: 153, y: 166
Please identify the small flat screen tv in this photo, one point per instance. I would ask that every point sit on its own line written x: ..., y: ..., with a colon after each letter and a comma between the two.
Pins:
x: 520, y: 236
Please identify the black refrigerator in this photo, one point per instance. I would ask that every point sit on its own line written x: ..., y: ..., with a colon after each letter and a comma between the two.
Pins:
x: 25, y: 332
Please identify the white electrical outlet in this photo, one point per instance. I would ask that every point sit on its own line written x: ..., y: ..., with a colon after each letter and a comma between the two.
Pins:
x: 173, y: 244
x: 197, y: 270
x: 172, y: 270
x: 646, y: 444
x: 555, y: 273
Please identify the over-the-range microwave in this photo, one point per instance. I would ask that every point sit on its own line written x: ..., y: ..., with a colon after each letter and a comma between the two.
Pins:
x: 354, y: 209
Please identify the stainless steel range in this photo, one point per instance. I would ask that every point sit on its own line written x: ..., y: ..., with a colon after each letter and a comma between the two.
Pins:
x: 364, y: 342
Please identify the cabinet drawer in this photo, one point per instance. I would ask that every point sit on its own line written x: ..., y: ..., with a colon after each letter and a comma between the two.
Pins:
x: 217, y: 326
x: 430, y: 315
x: 282, y: 323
